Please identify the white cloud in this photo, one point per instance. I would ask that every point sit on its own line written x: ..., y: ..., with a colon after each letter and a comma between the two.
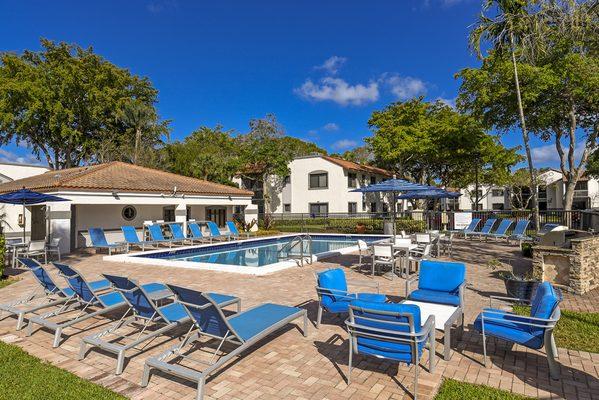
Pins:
x: 332, y: 64
x: 7, y: 156
x: 339, y: 91
x: 331, y: 126
x: 547, y: 154
x: 449, y: 102
x: 344, y: 144
x: 404, y: 87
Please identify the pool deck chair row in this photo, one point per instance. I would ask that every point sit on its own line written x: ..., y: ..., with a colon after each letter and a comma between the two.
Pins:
x: 241, y: 330
x: 471, y: 228
x: 145, y: 315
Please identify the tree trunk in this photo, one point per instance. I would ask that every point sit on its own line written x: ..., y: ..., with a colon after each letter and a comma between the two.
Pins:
x: 526, y: 140
x: 569, y: 195
x: 137, y: 145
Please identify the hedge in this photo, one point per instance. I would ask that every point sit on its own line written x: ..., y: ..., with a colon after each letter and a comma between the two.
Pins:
x: 345, y: 225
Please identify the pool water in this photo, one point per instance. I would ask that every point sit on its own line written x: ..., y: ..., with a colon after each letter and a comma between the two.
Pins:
x: 257, y: 253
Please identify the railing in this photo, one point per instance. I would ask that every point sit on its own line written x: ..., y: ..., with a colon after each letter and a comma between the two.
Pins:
x: 415, y: 221
x: 286, y: 252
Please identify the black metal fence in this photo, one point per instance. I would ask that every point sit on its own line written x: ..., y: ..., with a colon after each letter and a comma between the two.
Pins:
x: 414, y: 221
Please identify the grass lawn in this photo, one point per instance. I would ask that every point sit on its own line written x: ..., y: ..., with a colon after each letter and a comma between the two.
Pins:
x: 575, y: 330
x: 454, y: 390
x: 23, y: 377
x: 7, y: 281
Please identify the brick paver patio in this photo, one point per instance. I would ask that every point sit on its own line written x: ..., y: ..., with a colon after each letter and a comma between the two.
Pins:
x: 288, y: 365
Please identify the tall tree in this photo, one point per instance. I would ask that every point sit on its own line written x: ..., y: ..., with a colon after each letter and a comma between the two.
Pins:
x: 61, y: 101
x: 360, y: 155
x: 508, y: 30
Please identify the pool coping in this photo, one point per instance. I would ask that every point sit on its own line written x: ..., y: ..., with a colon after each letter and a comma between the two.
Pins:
x: 134, y: 258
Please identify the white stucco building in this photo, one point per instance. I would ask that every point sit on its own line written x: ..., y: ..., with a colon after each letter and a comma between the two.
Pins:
x: 114, y: 194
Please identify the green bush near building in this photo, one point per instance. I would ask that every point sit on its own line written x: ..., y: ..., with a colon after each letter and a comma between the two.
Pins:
x: 345, y: 225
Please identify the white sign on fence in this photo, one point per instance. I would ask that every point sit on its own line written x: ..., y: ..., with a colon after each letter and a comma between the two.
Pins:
x: 462, y: 220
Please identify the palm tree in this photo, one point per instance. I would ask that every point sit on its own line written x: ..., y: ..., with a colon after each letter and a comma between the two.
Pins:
x: 141, y: 118
x: 510, y: 31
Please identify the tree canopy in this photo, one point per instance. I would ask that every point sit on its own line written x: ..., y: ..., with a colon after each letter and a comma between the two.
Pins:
x: 64, y: 101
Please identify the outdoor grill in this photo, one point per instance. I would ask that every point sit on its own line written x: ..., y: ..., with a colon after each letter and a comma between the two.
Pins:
x: 559, y: 235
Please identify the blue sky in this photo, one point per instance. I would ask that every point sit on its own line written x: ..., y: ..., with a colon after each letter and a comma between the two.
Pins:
x: 321, y: 67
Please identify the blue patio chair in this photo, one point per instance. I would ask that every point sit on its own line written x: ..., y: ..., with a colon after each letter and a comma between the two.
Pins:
x: 333, y: 294
x: 534, y: 331
x: 98, y: 239
x: 132, y: 239
x: 469, y: 229
x: 519, y: 232
x: 234, y: 231
x: 155, y: 231
x: 143, y: 305
x: 240, y: 331
x: 215, y: 233
x: 46, y: 294
x: 486, y: 229
x: 390, y: 331
x: 196, y: 233
x: 177, y: 232
x: 501, y: 232
x: 439, y: 282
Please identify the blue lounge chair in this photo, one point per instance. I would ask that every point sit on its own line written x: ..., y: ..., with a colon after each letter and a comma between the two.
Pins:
x: 240, y: 331
x: 177, y: 233
x: 157, y: 236
x: 501, y: 232
x: 98, y: 239
x: 130, y: 234
x: 233, y: 231
x: 46, y: 294
x: 196, y: 233
x: 439, y: 282
x: 519, y: 232
x: 143, y: 306
x: 486, y: 229
x: 390, y: 331
x: 215, y: 233
x: 469, y: 229
x: 534, y: 331
x: 333, y: 295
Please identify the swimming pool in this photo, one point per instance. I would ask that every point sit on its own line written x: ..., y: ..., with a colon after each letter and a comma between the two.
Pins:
x: 253, y: 256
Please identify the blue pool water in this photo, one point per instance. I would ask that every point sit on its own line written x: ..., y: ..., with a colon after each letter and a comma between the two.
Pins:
x: 257, y: 253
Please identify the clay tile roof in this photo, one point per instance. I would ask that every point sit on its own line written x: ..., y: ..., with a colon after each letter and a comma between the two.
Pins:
x: 120, y: 176
x: 357, y: 167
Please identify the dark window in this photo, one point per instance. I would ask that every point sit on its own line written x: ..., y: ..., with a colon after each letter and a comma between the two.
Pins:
x: 372, y: 180
x: 363, y: 179
x: 373, y: 207
x: 319, y: 180
x: 319, y: 209
x: 351, y: 180
x: 581, y: 185
x: 497, y: 193
x: 363, y: 206
x: 287, y: 207
x: 287, y: 180
x: 168, y: 214
x: 352, y: 208
x: 497, y: 206
x: 385, y: 207
x: 129, y: 213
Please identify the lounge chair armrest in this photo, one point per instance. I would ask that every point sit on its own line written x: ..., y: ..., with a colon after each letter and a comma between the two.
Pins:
x: 429, y: 324
x: 409, y: 283
x: 391, y: 335
x: 508, y: 299
x: 520, y: 319
x: 364, y: 283
x: 339, y: 294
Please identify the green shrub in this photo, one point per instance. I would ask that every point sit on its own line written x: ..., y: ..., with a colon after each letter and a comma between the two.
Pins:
x: 345, y: 225
x: 2, y: 254
x: 527, y: 250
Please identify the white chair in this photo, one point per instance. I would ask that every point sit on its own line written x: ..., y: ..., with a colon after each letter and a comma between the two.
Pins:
x: 364, y: 251
x: 36, y: 248
x: 382, y: 254
x: 54, y: 247
x: 416, y: 256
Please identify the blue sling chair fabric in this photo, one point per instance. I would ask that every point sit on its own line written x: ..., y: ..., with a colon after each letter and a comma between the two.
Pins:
x: 155, y: 231
x: 234, y: 231
x: 390, y: 331
x: 534, y: 331
x: 439, y: 282
x: 240, y: 330
x: 470, y: 228
x: 486, y: 229
x: 98, y: 239
x: 519, y: 232
x: 178, y: 234
x: 132, y: 239
x: 215, y: 233
x: 196, y: 232
x: 501, y: 232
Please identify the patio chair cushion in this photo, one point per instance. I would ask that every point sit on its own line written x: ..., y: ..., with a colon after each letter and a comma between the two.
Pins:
x: 342, y: 305
x: 333, y: 279
x: 221, y: 298
x: 232, y: 228
x: 508, y: 329
x: 542, y: 305
x: 441, y: 276
x: 101, y: 284
x: 174, y: 312
x: 254, y: 321
x: 111, y: 299
x: 435, y: 296
x: 385, y: 348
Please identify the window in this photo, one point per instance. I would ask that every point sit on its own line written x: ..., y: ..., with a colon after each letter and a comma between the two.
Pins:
x: 129, y: 213
x: 351, y: 180
x: 352, y: 208
x: 372, y: 180
x: 385, y: 207
x: 287, y: 180
x: 497, y: 206
x: 319, y: 209
x: 363, y: 205
x: 497, y: 193
x: 319, y: 180
x: 168, y: 214
x: 287, y: 207
x: 581, y: 185
x: 373, y: 207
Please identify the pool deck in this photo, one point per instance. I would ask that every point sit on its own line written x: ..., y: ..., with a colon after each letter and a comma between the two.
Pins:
x: 288, y: 365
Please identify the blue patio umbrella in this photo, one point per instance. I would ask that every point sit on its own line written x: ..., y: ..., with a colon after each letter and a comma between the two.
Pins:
x: 429, y: 194
x: 27, y: 197
x: 393, y: 186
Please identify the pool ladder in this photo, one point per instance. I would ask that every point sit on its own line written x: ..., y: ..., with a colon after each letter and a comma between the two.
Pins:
x: 303, y: 256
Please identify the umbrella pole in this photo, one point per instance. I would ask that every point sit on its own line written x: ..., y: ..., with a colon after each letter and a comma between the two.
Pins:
x: 393, y: 216
x: 24, y: 221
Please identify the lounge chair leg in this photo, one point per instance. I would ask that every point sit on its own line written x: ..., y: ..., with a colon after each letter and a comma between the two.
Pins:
x: 551, y: 351
x: 200, y: 389
x: 239, y: 306
x: 319, y: 316
x: 416, y: 365
x: 305, y: 323
x: 120, y: 362
x: 145, y: 378
x: 484, y: 350
x: 20, y: 321
x: 431, y: 352
x: 29, y: 329
x: 82, y: 350
x: 57, y: 337
x: 350, y: 361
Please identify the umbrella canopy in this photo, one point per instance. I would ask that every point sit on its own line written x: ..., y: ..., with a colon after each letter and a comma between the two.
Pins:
x: 430, y: 194
x: 27, y: 197
x: 393, y: 185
